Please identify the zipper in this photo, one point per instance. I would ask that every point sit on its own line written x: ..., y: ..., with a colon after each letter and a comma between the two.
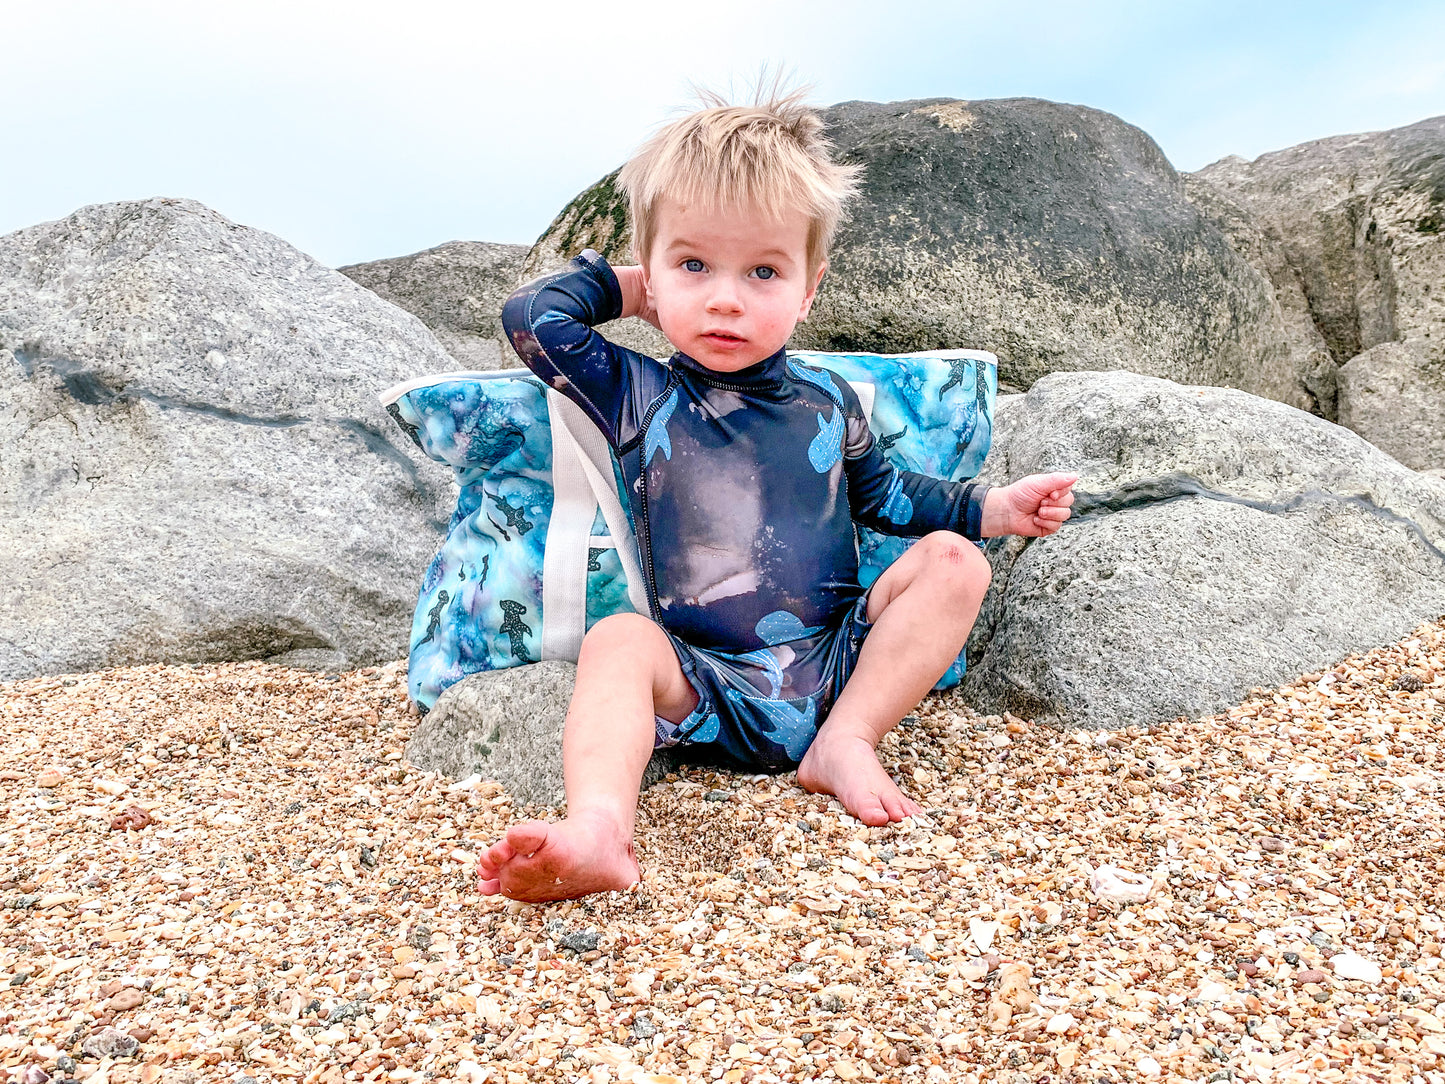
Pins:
x: 646, y: 545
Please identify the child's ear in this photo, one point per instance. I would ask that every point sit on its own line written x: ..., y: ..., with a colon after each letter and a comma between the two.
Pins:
x: 812, y: 292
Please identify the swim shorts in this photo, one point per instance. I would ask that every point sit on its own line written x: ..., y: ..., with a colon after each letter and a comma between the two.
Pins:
x: 760, y: 710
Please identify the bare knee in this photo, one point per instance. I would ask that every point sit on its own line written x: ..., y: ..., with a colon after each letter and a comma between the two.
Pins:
x: 953, y: 561
x: 633, y: 647
x: 628, y: 633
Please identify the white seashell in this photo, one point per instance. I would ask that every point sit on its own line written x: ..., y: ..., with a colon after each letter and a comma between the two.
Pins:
x: 50, y: 777
x: 1349, y: 966
x: 1060, y: 1023
x: 981, y: 932
x: 1117, y: 885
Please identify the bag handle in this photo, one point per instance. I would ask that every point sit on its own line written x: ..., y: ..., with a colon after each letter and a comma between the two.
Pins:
x: 583, y: 482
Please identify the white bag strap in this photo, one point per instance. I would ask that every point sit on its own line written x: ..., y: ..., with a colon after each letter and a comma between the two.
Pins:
x: 564, y: 559
x: 866, y: 393
x: 596, y: 459
x: 580, y: 452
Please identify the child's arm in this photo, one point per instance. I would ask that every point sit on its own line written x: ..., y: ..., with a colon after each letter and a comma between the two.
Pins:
x: 550, y: 324
x: 901, y: 502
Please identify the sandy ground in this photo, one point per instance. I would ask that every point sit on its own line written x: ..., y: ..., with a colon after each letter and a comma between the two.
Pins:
x: 230, y: 872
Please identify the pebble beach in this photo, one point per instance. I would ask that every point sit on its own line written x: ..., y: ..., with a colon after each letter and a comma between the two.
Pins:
x: 230, y: 871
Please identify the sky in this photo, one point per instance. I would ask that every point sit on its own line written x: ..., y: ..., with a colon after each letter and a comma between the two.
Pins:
x: 360, y: 130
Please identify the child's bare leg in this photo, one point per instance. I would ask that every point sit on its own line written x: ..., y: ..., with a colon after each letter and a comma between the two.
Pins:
x: 922, y: 608
x: 627, y: 672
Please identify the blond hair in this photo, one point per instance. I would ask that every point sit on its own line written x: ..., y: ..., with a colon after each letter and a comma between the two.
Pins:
x: 770, y: 157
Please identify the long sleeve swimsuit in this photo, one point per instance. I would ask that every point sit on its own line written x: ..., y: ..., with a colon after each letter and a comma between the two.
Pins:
x: 744, y: 490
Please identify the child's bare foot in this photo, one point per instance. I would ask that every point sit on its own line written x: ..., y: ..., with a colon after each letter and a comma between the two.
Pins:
x: 575, y: 857
x: 847, y: 768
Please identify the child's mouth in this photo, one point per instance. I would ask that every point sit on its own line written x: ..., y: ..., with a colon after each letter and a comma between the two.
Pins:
x: 722, y: 338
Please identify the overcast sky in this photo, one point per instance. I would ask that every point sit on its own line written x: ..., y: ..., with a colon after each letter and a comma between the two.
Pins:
x: 359, y: 130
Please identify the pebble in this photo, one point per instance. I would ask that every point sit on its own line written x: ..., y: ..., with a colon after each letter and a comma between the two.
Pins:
x: 124, y: 1000
x: 754, y: 947
x: 109, y: 1043
x: 581, y: 940
x: 643, y: 1027
x: 132, y: 819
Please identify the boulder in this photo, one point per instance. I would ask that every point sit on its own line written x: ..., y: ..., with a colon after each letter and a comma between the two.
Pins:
x: 457, y: 290
x: 1361, y: 221
x: 1057, y: 236
x: 194, y: 466
x: 1393, y: 395
x: 1259, y: 246
x: 1221, y: 542
x: 506, y: 725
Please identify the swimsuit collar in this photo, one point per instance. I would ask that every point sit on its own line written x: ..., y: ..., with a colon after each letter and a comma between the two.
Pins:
x: 770, y: 374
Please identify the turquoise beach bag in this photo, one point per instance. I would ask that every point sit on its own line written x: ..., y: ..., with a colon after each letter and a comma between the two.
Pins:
x: 540, y: 545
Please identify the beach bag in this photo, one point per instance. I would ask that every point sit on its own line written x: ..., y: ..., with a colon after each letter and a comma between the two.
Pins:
x: 540, y: 546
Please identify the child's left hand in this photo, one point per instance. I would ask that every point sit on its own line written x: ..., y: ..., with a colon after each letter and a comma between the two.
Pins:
x: 1034, y: 506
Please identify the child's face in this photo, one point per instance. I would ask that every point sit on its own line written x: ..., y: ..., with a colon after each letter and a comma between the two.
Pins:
x: 728, y: 287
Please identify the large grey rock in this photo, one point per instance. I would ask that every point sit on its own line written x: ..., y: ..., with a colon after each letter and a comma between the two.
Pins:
x: 1361, y: 221
x: 1262, y: 249
x: 1221, y: 542
x: 1056, y: 236
x: 1393, y: 395
x: 506, y: 725
x: 193, y: 462
x: 457, y: 290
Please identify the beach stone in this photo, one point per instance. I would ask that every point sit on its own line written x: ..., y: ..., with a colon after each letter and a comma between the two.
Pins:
x: 506, y: 725
x: 457, y: 290
x: 1393, y: 395
x: 194, y: 465
x: 1221, y: 542
x: 581, y: 940
x: 1360, y: 220
x: 1056, y: 236
x: 109, y: 1043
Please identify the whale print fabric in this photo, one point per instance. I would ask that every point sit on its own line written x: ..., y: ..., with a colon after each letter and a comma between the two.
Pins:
x: 480, y: 604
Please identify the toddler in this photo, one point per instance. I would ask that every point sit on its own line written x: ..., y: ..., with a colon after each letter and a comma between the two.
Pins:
x: 747, y: 474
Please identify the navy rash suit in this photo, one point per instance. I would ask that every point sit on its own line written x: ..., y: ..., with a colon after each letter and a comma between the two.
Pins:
x: 744, y: 490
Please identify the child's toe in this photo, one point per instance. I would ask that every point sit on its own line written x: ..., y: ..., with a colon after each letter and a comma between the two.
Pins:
x: 489, y: 887
x: 526, y: 838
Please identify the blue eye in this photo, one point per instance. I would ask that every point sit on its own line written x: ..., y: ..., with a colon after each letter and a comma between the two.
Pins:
x: 765, y: 273
x: 694, y: 266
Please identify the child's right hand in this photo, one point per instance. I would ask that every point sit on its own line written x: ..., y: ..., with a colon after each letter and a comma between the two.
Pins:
x: 635, y: 301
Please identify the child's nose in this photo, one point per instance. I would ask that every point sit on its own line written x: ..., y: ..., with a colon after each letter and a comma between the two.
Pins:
x: 724, y: 297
